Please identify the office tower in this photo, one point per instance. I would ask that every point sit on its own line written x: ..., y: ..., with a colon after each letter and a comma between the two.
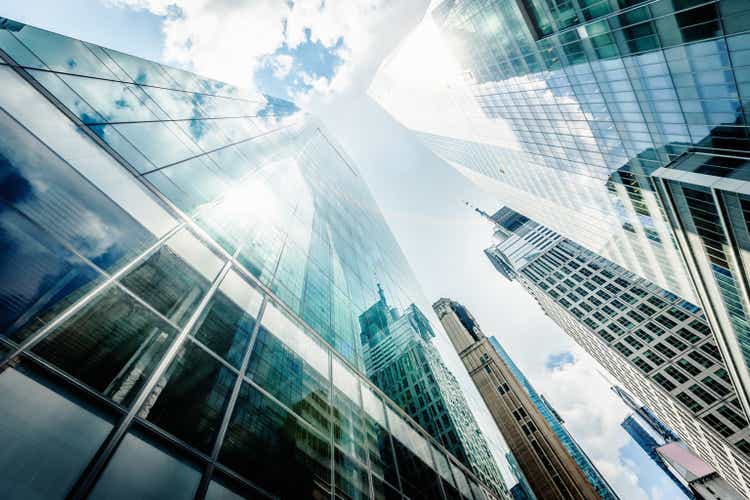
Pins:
x: 402, y: 361
x: 183, y: 268
x: 550, y: 470
x: 646, y: 439
x: 706, y: 199
x: 666, y: 434
x: 594, y: 96
x: 658, y: 346
x: 701, y: 478
x: 556, y: 424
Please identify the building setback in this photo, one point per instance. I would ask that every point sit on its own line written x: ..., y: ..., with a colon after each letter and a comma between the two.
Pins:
x: 550, y: 470
x: 658, y: 346
x: 183, y: 268
x: 556, y: 424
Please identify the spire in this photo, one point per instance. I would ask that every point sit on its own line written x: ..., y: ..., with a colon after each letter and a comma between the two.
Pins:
x: 480, y: 212
x: 381, y: 294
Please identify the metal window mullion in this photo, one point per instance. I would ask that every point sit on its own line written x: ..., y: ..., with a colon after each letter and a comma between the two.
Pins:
x: 331, y: 429
x: 206, y: 479
x: 85, y: 484
x: 393, y: 447
x: 87, y: 298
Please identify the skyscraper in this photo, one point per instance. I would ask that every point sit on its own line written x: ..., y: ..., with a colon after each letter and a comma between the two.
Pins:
x: 642, y: 435
x: 556, y: 424
x: 183, y: 269
x: 706, y: 198
x: 550, y: 470
x: 658, y: 346
x: 576, y: 104
x: 402, y: 361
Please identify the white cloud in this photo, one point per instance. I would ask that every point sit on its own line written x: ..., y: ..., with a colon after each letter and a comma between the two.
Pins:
x: 228, y: 39
x: 281, y: 65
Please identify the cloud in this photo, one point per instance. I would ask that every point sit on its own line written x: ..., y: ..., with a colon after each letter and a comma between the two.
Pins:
x: 229, y: 40
x: 559, y: 360
x: 281, y: 65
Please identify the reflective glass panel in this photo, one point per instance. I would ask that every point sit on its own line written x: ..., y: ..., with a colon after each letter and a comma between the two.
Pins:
x: 48, y: 437
x: 269, y: 445
x: 112, y: 344
x: 190, y: 399
x: 351, y: 478
x: 140, y: 469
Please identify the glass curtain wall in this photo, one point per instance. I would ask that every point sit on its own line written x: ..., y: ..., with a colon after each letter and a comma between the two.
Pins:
x: 183, y: 267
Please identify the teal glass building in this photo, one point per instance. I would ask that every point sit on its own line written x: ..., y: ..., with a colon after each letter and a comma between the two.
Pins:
x: 183, y: 268
x: 593, y: 475
x: 402, y: 361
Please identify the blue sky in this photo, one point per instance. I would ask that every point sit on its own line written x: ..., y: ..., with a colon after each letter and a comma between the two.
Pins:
x: 323, y: 58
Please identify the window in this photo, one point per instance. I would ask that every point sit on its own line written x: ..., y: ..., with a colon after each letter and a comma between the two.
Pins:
x: 718, y: 425
x: 632, y: 342
x: 676, y: 374
x: 657, y: 302
x: 643, y: 335
x: 701, y: 359
x: 668, y: 323
x: 676, y: 343
x: 710, y: 349
x: 703, y: 394
x: 624, y: 350
x: 700, y: 327
x: 733, y: 417
x: 653, y: 357
x: 688, y: 335
x: 692, y: 404
x: 664, y: 382
x: 645, y: 367
x: 689, y: 367
x: 666, y: 351
x: 645, y: 309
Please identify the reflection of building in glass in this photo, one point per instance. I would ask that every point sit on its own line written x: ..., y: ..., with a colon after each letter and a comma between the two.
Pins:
x: 550, y: 470
x: 645, y: 438
x: 521, y: 490
x: 183, y: 268
x: 556, y: 424
x: 707, y: 197
x: 596, y: 96
x: 402, y: 361
x: 658, y: 346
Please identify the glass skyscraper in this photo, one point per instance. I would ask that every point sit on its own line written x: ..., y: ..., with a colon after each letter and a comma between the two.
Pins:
x: 402, y: 361
x: 654, y: 343
x: 597, y: 95
x: 183, y: 270
x: 555, y: 422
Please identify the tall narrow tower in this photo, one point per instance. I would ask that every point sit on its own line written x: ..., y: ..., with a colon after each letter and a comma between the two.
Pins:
x: 549, y: 468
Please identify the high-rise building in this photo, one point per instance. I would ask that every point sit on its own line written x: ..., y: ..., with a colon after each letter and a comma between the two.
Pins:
x: 666, y: 434
x: 701, y: 478
x: 645, y: 438
x: 402, y: 361
x: 658, y: 346
x: 183, y: 268
x: 545, y: 462
x: 707, y: 199
x: 576, y: 103
x: 556, y: 424
x: 522, y: 489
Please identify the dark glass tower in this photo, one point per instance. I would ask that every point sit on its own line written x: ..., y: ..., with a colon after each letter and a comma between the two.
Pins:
x: 183, y: 268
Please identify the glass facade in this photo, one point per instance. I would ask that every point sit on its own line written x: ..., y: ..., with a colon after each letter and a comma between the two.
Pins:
x: 598, y: 94
x: 656, y: 344
x: 402, y: 361
x: 184, y: 265
x: 708, y: 201
x: 555, y: 422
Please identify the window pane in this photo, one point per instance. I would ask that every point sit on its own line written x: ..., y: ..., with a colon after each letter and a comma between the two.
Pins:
x: 290, y: 379
x: 48, y: 437
x: 113, y: 344
x: 230, y: 319
x: 49, y: 192
x: 190, y: 399
x: 39, y: 276
x: 260, y: 424
x: 174, y: 279
x: 351, y: 478
x: 144, y: 471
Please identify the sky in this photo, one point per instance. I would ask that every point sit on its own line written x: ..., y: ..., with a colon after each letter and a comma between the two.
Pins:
x: 323, y: 56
